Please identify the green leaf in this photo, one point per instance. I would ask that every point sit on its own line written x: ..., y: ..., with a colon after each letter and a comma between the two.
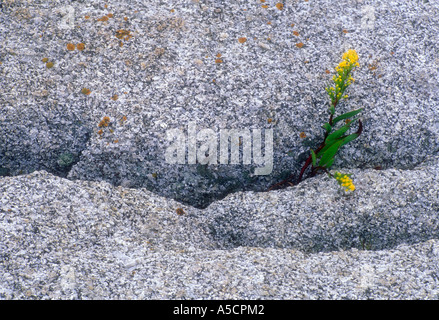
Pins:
x: 327, y: 127
x: 326, y: 147
x: 346, y: 115
x: 337, y: 134
x: 332, y: 109
x: 349, y: 138
x: 330, y: 153
x: 314, y: 158
x: 329, y: 164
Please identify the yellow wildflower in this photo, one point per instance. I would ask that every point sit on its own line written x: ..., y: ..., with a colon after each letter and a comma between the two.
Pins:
x: 343, y: 78
x: 345, y: 181
x: 351, y: 56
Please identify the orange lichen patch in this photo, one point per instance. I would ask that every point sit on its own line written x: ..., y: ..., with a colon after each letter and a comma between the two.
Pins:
x: 49, y: 65
x: 70, y: 46
x: 242, y: 39
x: 123, y: 34
x: 218, y: 55
x: 159, y: 51
x: 109, y: 15
x: 213, y: 80
x: 327, y: 71
x: 299, y: 45
x: 280, y: 6
x: 124, y: 118
x: 85, y: 91
x: 263, y: 1
x: 347, y: 121
x: 302, y: 135
x: 292, y: 25
x: 180, y: 211
x: 373, y: 66
x: 218, y: 61
x: 268, y: 39
x: 116, y: 141
x: 120, y: 44
x: 45, y: 59
x: 80, y: 46
x: 269, y: 120
x: 269, y: 22
x: 104, y: 18
x: 87, y: 17
x: 296, y: 33
x: 104, y: 122
x: 345, y: 31
x: 125, y: 18
x: 172, y: 10
x: 264, y: 6
x: 106, y: 6
x: 100, y: 132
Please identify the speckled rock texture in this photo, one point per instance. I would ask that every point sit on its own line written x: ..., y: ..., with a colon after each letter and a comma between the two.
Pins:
x: 63, y: 239
x: 90, y: 208
x: 154, y: 66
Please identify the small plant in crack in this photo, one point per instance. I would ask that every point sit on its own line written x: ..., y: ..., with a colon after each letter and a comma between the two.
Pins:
x: 322, y: 158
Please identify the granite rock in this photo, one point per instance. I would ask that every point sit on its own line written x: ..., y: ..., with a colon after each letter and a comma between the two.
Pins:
x: 91, y: 208
x: 63, y: 239
x: 152, y: 67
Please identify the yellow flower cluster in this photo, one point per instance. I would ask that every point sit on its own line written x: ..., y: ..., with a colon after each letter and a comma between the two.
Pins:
x: 350, y: 58
x: 344, y: 181
x: 343, y: 78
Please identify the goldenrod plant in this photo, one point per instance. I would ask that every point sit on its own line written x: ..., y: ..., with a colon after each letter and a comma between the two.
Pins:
x: 336, y: 136
x: 323, y: 157
x: 345, y: 181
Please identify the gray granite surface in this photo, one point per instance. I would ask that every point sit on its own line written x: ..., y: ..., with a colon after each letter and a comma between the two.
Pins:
x: 91, y: 209
x: 63, y: 239
x: 165, y: 75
